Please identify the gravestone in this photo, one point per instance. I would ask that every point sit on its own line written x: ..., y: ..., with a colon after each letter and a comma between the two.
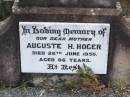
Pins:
x: 19, y: 59
x: 55, y: 47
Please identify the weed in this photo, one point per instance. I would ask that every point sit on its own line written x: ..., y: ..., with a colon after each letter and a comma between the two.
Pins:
x: 84, y: 78
x: 89, y: 79
x: 24, y: 84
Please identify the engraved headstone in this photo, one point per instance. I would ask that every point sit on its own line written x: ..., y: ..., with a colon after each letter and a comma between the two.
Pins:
x: 55, y: 47
x: 16, y: 52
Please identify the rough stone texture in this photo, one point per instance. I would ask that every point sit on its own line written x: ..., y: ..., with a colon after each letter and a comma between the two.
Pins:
x: 9, y: 68
x: 85, y: 15
x: 40, y: 92
x: 118, y: 61
x: 70, y: 3
x: 120, y: 66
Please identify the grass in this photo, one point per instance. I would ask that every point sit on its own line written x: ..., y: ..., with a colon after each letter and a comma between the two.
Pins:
x: 24, y: 84
x: 84, y: 78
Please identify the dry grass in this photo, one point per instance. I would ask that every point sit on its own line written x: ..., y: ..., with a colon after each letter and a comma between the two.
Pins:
x: 84, y: 78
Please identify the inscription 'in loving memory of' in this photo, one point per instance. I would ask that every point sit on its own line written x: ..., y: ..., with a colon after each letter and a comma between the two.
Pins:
x: 62, y: 47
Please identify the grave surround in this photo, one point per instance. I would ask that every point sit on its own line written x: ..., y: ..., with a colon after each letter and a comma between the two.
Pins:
x: 48, y: 11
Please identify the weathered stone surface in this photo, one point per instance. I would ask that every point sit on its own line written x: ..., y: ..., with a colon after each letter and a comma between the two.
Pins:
x: 118, y: 61
x: 70, y: 3
x: 120, y: 64
x: 9, y: 68
x: 85, y: 15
